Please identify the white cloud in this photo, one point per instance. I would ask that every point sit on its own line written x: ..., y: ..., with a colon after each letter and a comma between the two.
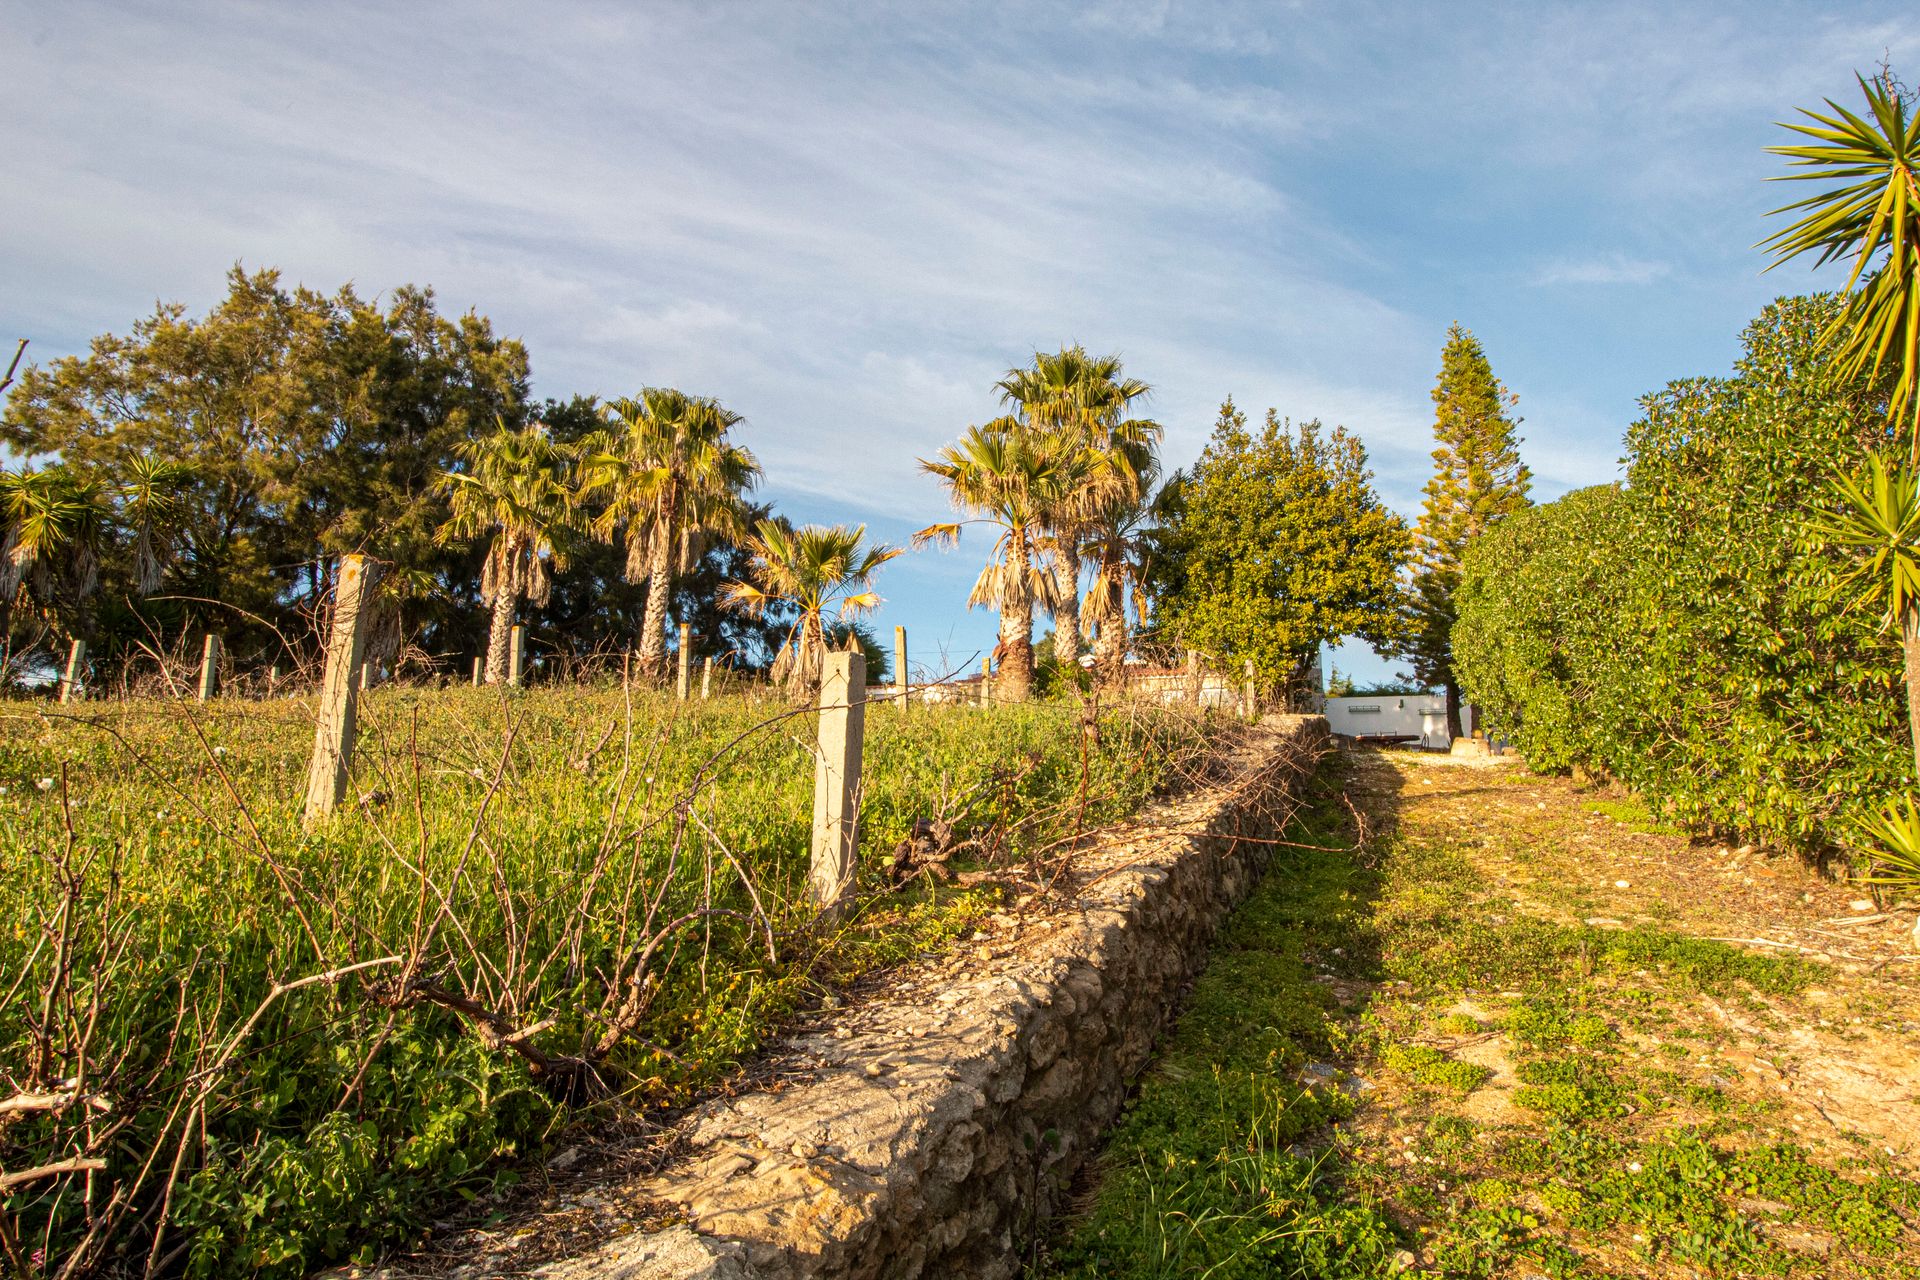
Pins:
x: 1616, y: 268
x: 847, y: 225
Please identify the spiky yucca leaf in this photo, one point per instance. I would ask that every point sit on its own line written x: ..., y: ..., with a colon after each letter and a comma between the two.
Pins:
x: 1873, y: 218
x: 1880, y: 517
x: 1895, y: 833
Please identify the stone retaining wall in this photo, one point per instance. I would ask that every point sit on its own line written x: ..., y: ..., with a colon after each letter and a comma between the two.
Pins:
x: 930, y: 1133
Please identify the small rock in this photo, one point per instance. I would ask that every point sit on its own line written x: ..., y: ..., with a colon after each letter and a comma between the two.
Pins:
x: 1623, y: 884
x: 805, y: 1150
x: 1860, y: 904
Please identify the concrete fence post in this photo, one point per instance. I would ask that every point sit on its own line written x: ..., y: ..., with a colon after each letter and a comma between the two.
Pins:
x: 901, y: 685
x: 683, y: 685
x: 1253, y: 694
x: 273, y: 679
x: 70, y: 684
x: 836, y: 777
x: 706, y: 678
x: 366, y: 676
x: 333, y: 731
x: 983, y: 695
x: 479, y: 671
x: 1193, y: 677
x: 209, y: 666
x: 517, y: 656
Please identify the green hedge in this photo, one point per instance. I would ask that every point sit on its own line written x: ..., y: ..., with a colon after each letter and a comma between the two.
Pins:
x: 1681, y: 632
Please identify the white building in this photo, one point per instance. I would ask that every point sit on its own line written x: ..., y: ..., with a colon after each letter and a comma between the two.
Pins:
x: 1411, y: 717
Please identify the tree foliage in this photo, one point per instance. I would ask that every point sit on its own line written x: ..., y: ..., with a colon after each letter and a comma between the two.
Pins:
x: 1275, y: 544
x: 1478, y: 479
x: 1010, y: 477
x: 824, y: 575
x: 1088, y: 400
x: 303, y: 425
x: 1686, y: 633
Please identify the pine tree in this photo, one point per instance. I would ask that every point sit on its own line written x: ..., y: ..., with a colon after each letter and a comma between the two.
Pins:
x: 1477, y: 479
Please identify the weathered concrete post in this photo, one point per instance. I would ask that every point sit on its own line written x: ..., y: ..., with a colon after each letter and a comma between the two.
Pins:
x: 273, y: 679
x: 706, y: 678
x: 479, y: 671
x: 333, y: 733
x: 836, y: 776
x: 517, y: 656
x: 366, y: 676
x: 76, y: 665
x: 901, y: 684
x: 1253, y: 694
x: 982, y: 695
x: 209, y: 666
x: 1194, y: 685
x: 684, y: 684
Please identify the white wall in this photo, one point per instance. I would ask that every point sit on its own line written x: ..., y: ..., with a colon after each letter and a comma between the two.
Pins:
x: 1422, y: 714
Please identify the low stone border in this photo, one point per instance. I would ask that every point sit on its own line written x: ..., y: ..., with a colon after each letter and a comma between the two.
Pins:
x: 935, y: 1130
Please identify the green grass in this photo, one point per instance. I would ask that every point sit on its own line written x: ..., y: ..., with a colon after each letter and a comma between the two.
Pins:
x: 1635, y: 816
x: 1216, y: 1168
x: 525, y: 879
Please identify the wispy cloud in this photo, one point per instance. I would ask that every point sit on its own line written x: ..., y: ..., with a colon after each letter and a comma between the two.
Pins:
x: 1615, y: 268
x: 848, y: 224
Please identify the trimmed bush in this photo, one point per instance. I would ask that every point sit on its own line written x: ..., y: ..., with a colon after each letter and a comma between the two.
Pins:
x: 1682, y: 632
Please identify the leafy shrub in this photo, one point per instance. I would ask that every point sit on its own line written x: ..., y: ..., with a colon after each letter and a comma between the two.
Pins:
x: 1681, y: 631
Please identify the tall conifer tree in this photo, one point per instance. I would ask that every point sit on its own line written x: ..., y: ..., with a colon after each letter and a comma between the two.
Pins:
x: 1477, y: 479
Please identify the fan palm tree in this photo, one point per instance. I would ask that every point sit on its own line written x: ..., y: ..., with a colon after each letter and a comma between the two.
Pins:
x: 1118, y: 543
x: 817, y: 569
x: 1086, y: 399
x: 670, y: 479
x: 1872, y: 218
x: 1011, y: 477
x: 152, y: 497
x: 512, y: 487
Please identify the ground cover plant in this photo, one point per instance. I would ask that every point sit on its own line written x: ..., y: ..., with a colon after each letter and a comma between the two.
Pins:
x: 252, y: 1050
x: 1512, y: 1036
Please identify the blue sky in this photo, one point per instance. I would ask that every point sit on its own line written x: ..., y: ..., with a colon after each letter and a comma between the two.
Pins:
x: 847, y: 221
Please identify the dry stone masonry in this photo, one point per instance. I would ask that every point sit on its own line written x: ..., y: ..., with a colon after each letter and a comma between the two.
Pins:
x: 932, y: 1133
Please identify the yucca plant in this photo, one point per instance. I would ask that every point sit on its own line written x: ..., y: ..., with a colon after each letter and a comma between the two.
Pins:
x: 1895, y: 833
x: 1872, y: 218
x: 53, y: 525
x: 818, y: 569
x: 152, y: 498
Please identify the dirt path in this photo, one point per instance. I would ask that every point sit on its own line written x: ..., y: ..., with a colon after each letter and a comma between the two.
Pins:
x: 1520, y: 1031
x: 1843, y: 1053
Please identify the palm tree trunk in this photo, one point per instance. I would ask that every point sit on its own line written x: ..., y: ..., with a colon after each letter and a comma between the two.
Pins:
x: 653, y: 630
x: 1066, y: 617
x: 1910, y: 643
x: 499, y: 635
x: 1014, y: 680
x: 1110, y: 645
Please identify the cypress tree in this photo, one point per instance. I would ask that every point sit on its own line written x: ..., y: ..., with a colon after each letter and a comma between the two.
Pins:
x: 1477, y: 479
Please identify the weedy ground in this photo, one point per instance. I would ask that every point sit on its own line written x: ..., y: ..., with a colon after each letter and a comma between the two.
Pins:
x: 259, y: 1049
x: 1502, y: 1026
